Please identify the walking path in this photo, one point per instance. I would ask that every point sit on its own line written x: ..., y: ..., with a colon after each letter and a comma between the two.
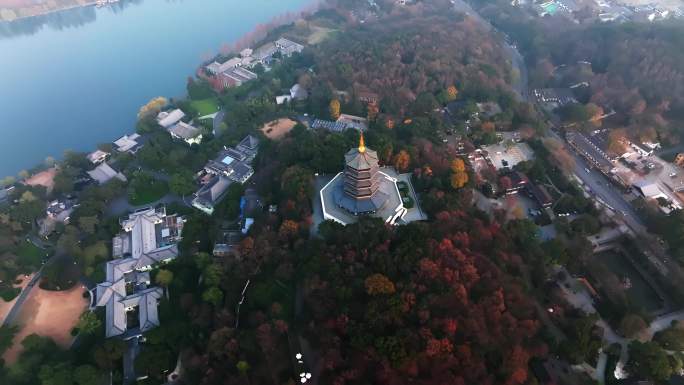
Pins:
x: 6, y: 307
x: 19, y: 301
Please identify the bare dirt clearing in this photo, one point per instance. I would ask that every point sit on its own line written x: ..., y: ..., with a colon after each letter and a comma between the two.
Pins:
x: 278, y: 128
x: 50, y: 314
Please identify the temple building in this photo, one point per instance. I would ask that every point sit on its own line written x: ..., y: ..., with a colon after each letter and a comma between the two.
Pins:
x: 363, y: 188
x: 149, y: 239
x: 361, y: 192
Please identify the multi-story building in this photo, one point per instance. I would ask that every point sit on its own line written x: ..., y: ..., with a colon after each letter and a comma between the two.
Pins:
x: 149, y: 238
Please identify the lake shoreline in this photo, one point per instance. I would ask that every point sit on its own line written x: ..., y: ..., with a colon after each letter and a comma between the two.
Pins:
x: 273, y: 21
x: 44, y: 12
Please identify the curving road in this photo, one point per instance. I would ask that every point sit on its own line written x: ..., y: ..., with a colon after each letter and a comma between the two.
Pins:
x: 517, y: 61
x: 598, y: 185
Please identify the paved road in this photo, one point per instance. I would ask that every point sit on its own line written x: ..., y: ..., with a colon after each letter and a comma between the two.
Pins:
x: 663, y: 322
x: 218, y: 119
x: 597, y: 182
x: 600, y: 187
x: 34, y: 280
x: 132, y: 350
x: 16, y: 308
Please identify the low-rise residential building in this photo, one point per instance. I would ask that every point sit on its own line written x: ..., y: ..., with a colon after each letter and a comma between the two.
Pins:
x: 149, y: 239
x: 216, y: 68
x: 103, y: 173
x: 186, y: 132
x: 209, y: 195
x: 97, y: 156
x: 229, y: 167
x: 168, y: 119
x: 234, y: 72
x: 128, y: 143
x: 288, y: 47
x: 264, y: 54
x: 60, y: 210
x: 234, y: 78
x: 232, y: 165
x: 352, y: 121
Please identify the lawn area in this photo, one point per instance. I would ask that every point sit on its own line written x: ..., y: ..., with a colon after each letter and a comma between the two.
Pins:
x: 29, y: 254
x: 318, y: 34
x: 143, y: 193
x: 205, y: 106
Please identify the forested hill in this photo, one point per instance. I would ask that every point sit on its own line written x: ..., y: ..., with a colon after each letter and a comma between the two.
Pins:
x: 645, y: 60
x: 410, y: 51
x: 637, y: 69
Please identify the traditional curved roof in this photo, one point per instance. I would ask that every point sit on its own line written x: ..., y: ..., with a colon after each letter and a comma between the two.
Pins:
x: 361, y: 158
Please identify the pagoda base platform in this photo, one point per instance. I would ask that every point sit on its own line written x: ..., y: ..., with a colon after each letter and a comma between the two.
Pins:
x: 339, y: 207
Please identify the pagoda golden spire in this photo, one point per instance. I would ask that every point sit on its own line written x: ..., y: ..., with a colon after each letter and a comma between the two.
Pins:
x: 362, y: 144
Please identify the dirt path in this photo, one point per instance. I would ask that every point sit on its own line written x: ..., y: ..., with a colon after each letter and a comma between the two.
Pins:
x: 48, y: 313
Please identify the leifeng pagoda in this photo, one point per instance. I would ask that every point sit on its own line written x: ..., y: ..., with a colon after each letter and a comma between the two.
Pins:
x: 362, y: 188
x: 361, y: 193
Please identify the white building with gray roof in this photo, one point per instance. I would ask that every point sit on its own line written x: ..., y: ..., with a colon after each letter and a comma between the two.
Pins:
x: 186, y: 132
x: 149, y: 239
x: 168, y: 119
x: 104, y: 173
x: 231, y: 165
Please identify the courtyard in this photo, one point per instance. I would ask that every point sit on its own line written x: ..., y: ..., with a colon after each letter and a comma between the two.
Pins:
x: 413, y: 210
x: 507, y: 155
